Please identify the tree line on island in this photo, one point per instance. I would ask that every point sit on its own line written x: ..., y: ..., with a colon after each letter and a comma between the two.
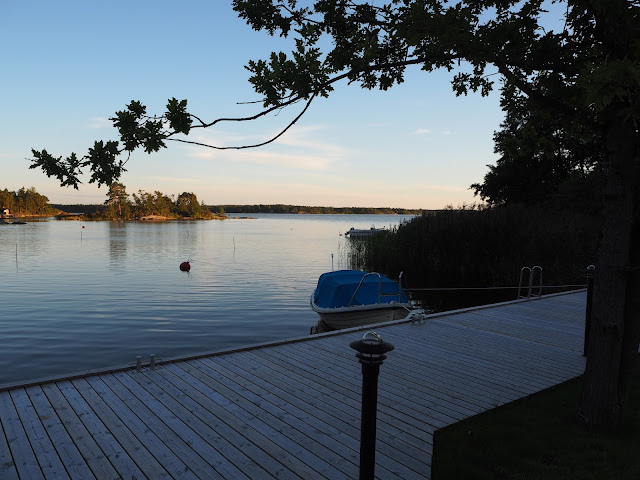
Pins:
x: 306, y: 209
x: 119, y: 205
x: 25, y: 202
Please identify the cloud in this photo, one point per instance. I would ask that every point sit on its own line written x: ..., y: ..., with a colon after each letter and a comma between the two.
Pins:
x: 302, y: 161
x: 99, y: 122
x: 299, y: 137
x: 298, y: 148
x: 427, y: 131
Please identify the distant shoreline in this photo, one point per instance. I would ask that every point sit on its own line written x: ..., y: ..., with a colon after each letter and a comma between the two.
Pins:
x: 143, y: 218
x: 271, y: 208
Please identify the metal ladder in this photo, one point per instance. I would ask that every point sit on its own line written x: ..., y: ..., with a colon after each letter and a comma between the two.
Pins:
x: 531, y: 272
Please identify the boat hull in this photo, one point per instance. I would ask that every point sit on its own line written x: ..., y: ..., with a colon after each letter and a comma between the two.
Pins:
x: 357, y: 315
x: 359, y: 233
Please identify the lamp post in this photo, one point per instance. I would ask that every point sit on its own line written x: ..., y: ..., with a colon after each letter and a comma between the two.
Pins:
x: 371, y: 353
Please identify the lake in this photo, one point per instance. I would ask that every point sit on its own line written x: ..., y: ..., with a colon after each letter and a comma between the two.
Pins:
x: 75, y: 298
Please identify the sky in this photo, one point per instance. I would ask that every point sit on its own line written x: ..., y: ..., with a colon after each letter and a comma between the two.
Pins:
x: 67, y: 66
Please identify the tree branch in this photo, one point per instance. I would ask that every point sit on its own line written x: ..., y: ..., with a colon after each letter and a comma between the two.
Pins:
x: 291, y: 101
x: 533, y: 93
x: 242, y: 147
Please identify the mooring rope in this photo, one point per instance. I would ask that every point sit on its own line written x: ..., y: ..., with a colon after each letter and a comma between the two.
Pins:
x: 437, y: 289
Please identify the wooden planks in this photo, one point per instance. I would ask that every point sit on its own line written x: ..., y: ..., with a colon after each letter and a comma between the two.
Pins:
x: 291, y: 410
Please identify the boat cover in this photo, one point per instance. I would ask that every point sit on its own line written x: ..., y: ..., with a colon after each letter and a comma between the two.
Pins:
x: 335, y: 289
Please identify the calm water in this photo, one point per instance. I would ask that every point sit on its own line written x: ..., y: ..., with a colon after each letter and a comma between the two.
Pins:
x: 74, y: 299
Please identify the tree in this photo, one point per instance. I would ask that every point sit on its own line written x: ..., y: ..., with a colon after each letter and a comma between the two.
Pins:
x: 117, y: 198
x: 29, y: 202
x: 7, y: 199
x: 542, y: 158
x: 157, y: 203
x: 142, y: 203
x: 163, y: 204
x: 187, y: 205
x: 26, y: 201
x: 586, y: 72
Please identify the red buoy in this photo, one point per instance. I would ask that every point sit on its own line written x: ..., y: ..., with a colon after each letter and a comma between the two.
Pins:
x: 185, y: 266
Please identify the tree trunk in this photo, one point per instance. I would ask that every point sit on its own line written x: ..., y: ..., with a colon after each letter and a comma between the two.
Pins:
x: 615, y: 327
x: 631, y: 339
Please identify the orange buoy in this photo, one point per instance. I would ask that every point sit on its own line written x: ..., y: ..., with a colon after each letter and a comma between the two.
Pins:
x: 185, y: 266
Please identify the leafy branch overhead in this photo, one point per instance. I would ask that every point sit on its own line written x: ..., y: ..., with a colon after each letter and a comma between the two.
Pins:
x: 478, y: 41
x: 103, y: 160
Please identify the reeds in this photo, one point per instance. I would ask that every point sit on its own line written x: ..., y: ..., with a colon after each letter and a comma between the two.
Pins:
x: 472, y: 247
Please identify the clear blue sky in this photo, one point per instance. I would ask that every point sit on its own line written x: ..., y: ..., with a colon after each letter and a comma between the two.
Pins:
x: 67, y: 66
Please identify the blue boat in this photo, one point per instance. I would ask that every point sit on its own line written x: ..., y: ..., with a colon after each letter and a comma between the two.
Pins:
x: 349, y: 298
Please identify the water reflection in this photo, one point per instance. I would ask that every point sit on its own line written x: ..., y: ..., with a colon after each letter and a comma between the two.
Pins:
x: 189, y: 237
x: 117, y: 244
x: 321, y: 327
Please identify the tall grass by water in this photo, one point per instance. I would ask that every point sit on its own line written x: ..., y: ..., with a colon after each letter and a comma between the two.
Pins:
x: 475, y: 247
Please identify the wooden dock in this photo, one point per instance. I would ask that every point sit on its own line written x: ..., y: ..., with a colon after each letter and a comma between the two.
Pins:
x: 291, y: 410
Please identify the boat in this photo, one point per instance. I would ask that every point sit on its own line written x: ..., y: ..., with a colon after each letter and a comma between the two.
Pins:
x: 362, y: 232
x: 349, y: 298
